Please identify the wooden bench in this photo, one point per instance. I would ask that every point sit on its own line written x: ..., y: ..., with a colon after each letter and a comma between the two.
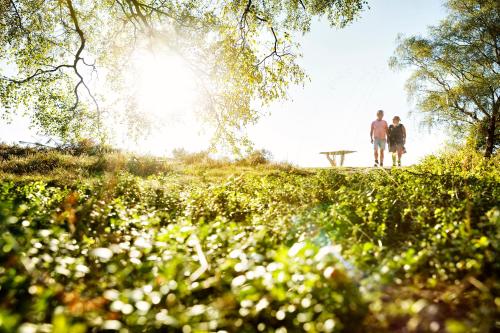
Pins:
x: 331, y: 156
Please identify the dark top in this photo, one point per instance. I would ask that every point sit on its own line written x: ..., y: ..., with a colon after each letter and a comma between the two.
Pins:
x: 397, y: 134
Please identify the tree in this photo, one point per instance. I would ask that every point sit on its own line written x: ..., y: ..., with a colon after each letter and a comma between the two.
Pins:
x: 58, y: 55
x: 456, y: 77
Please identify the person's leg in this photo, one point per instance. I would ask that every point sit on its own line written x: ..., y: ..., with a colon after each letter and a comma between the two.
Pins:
x: 381, y: 147
x: 400, y: 153
x: 393, y: 154
x: 375, y: 153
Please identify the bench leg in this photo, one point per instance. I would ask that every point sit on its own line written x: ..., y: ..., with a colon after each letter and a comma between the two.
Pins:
x: 331, y: 160
x: 342, y: 160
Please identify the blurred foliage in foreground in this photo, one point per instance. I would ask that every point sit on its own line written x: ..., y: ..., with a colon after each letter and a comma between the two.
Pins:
x: 109, y: 243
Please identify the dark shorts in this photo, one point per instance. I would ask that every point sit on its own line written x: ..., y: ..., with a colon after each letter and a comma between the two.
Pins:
x: 396, y: 146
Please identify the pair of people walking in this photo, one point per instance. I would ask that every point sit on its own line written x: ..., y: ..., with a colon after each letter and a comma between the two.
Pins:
x: 395, y: 135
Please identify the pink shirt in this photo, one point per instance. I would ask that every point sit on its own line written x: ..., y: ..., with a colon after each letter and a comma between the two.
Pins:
x: 379, y: 128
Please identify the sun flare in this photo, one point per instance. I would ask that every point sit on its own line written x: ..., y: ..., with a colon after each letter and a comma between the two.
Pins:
x: 168, y: 93
x: 166, y: 86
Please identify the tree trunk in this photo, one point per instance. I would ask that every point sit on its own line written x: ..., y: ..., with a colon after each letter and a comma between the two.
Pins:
x: 491, y: 131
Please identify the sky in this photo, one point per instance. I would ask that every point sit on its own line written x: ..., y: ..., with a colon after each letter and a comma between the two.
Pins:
x: 349, y: 81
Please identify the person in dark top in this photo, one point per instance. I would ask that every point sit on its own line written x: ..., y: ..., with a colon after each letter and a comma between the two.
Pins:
x: 397, y: 140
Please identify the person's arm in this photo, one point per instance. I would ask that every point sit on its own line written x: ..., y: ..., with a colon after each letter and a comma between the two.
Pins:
x: 371, y: 133
x: 404, y: 134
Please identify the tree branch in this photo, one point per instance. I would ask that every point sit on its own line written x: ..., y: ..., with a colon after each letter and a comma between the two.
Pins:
x: 21, y: 26
x: 302, y: 4
x: 77, y: 58
x: 38, y: 72
x: 275, y: 50
x: 138, y: 12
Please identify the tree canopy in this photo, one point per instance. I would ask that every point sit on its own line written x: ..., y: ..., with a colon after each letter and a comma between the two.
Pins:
x: 456, y: 77
x: 58, y: 55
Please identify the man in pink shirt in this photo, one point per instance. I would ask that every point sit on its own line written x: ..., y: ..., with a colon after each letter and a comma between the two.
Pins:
x: 378, y: 135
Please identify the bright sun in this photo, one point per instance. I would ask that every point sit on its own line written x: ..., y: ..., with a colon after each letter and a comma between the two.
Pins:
x: 168, y: 93
x: 166, y: 84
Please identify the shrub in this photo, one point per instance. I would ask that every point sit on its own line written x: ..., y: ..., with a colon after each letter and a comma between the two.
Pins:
x: 86, y: 146
x: 256, y: 157
x: 183, y: 156
x: 43, y: 163
x: 147, y: 165
x: 412, y: 249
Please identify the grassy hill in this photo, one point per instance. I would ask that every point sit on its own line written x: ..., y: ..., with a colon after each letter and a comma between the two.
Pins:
x: 115, y: 242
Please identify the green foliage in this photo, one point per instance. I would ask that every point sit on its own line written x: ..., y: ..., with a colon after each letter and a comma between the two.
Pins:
x: 43, y: 162
x: 411, y: 249
x: 63, y: 168
x: 242, y: 53
x: 86, y: 146
x: 256, y: 157
x: 184, y: 156
x: 456, y: 76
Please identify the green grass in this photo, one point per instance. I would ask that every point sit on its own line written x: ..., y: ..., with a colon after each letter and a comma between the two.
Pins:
x: 92, y: 243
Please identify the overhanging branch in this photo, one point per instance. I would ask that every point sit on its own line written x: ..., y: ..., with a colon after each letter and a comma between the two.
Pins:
x: 79, y: 58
